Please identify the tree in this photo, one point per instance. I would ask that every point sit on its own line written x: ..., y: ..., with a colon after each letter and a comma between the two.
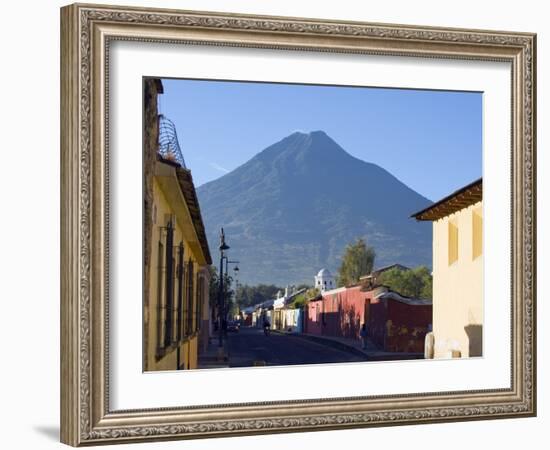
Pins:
x: 303, y: 298
x: 214, y: 289
x: 415, y: 283
x: 213, y: 286
x: 358, y: 260
x: 252, y: 295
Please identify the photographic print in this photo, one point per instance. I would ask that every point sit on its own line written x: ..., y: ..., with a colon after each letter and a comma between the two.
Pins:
x: 291, y: 224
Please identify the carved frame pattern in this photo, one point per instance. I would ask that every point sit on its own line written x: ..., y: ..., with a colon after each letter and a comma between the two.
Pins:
x: 86, y: 418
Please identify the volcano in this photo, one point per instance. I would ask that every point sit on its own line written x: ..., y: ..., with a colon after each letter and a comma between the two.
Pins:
x: 293, y: 208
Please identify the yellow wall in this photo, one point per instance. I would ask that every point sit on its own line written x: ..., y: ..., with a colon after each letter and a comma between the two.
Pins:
x: 193, y: 354
x: 457, y: 287
x: 188, y: 347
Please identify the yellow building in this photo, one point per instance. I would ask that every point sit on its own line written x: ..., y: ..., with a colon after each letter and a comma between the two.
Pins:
x: 457, y: 272
x: 176, y: 256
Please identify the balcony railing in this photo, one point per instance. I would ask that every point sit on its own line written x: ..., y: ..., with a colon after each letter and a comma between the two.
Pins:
x: 169, y: 147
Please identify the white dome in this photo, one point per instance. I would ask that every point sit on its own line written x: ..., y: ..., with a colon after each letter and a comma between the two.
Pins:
x: 324, y: 273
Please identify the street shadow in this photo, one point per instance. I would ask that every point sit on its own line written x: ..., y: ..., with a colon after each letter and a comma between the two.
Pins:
x: 51, y: 432
x: 344, y: 322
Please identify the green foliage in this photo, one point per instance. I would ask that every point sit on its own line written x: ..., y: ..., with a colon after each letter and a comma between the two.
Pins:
x: 415, y: 283
x: 357, y: 261
x: 214, y: 288
x: 252, y: 295
x: 302, y: 299
x: 232, y: 309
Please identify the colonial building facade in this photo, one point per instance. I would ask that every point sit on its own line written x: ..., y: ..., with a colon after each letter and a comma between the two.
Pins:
x: 176, y: 255
x: 457, y: 272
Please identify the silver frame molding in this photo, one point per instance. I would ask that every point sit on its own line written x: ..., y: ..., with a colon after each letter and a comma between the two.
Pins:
x: 86, y: 32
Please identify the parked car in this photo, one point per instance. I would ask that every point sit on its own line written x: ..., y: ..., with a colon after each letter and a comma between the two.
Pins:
x: 233, y: 326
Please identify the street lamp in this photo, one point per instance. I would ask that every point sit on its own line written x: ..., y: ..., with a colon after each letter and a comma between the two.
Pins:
x: 221, y: 307
x: 227, y: 262
x: 236, y: 273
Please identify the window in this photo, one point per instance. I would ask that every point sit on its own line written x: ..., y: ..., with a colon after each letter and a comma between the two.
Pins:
x: 161, y: 301
x: 200, y: 300
x: 190, y: 299
x: 453, y: 243
x: 174, y: 315
x: 169, y: 280
x: 179, y: 315
x: 477, y: 233
x: 166, y: 289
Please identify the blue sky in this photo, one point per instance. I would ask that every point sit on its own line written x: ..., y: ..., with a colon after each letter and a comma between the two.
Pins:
x: 430, y: 140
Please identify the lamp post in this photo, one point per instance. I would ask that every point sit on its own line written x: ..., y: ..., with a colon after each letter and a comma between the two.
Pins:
x: 236, y: 273
x: 227, y: 262
x: 235, y: 269
x: 221, y: 306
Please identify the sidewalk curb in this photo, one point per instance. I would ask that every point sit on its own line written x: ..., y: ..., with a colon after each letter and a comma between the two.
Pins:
x: 209, y: 358
x: 327, y: 341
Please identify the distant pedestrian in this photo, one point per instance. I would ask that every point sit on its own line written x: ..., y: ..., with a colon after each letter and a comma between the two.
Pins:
x: 364, y: 335
x: 267, y: 326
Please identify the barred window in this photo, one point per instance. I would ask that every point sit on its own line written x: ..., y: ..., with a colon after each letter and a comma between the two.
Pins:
x: 161, y: 300
x: 190, y: 297
x: 166, y: 288
x: 180, y: 277
x: 200, y: 300
x: 175, y: 310
x: 169, y: 280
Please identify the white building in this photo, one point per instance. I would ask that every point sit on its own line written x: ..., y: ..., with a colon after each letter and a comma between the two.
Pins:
x: 324, y: 281
x: 282, y: 300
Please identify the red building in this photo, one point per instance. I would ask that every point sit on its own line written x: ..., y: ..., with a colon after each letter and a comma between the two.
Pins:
x: 395, y: 323
x: 339, y: 312
x: 399, y: 324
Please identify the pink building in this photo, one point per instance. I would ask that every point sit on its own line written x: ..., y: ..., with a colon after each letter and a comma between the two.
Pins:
x: 399, y: 324
x: 395, y: 323
x: 339, y: 312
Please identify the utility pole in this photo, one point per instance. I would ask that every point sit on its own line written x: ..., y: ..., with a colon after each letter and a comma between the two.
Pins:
x: 221, y: 301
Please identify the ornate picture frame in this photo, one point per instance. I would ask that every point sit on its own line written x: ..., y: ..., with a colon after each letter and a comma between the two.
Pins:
x: 87, y: 31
